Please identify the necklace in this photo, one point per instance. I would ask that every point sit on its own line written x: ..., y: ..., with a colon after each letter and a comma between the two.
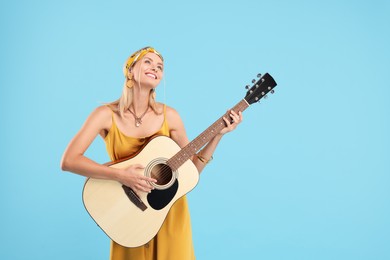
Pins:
x: 138, y: 119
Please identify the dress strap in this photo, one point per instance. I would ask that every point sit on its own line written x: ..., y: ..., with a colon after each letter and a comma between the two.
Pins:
x: 112, y: 113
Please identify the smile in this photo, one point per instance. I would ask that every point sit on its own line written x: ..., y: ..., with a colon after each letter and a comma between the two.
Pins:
x: 151, y: 75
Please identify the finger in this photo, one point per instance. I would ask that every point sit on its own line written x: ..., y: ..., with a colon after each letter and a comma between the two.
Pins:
x: 143, y: 186
x: 226, y: 121
x: 234, y: 116
x: 148, y: 179
x: 140, y: 189
x: 146, y: 189
x: 234, y: 113
x: 146, y: 183
x: 240, y: 115
x: 237, y: 117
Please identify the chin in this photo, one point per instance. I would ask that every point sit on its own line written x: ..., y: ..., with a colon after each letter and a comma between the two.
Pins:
x: 150, y: 86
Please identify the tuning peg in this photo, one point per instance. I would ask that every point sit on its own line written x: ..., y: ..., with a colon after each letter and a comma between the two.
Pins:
x: 265, y: 97
x: 259, y: 75
x: 253, y: 80
x: 247, y: 86
x: 272, y: 91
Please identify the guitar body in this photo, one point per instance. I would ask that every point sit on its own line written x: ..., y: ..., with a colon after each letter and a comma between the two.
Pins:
x: 132, y: 220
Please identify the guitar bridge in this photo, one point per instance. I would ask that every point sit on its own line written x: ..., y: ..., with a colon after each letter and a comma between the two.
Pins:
x: 133, y: 197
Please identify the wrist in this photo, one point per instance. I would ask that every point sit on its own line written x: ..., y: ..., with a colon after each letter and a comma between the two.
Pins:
x: 204, y: 160
x: 218, y: 136
x: 116, y: 174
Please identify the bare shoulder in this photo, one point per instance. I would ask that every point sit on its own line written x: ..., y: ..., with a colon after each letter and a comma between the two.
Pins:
x: 173, y: 117
x: 171, y: 111
x: 102, y: 111
x: 176, y: 126
x: 101, y: 117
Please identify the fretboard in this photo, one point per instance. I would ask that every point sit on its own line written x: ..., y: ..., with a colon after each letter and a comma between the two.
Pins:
x: 194, y: 146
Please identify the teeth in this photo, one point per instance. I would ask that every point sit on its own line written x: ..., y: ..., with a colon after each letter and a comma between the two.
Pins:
x: 151, y: 75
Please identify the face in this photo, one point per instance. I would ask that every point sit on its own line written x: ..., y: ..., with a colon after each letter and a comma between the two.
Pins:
x: 148, y: 71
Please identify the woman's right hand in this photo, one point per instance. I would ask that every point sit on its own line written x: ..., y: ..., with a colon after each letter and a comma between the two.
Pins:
x: 137, y: 182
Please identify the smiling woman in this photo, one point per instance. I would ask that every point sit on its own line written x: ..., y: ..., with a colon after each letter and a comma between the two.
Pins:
x: 129, y: 126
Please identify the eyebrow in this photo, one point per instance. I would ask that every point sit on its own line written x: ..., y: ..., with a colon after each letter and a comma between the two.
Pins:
x: 153, y: 60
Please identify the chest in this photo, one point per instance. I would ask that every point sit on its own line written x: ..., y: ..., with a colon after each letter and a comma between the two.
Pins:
x: 148, y: 125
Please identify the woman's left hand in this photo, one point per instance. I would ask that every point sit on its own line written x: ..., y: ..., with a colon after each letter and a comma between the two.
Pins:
x: 230, y: 126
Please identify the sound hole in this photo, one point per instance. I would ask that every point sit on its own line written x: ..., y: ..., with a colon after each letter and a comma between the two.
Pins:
x: 162, y: 173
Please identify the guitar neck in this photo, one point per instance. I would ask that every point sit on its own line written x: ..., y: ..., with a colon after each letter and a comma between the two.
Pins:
x: 194, y: 146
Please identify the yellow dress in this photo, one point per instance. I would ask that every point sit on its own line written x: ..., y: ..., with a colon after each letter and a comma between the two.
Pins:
x: 174, y: 239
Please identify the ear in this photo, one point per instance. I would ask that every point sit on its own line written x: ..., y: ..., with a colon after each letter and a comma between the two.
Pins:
x: 129, y: 74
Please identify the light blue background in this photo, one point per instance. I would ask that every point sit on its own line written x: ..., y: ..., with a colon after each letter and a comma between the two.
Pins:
x: 305, y: 176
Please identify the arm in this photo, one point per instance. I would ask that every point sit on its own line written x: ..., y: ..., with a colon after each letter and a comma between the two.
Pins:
x: 75, y: 161
x: 178, y: 134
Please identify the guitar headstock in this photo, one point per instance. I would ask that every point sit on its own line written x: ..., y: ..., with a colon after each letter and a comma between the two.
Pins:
x: 260, y: 88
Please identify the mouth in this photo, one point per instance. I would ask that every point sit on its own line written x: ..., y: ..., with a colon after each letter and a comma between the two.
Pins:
x: 151, y: 75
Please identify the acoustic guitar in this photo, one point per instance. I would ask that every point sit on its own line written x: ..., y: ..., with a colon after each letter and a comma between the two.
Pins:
x: 131, y: 219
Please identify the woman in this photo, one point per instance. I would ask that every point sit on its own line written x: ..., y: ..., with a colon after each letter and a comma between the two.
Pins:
x: 126, y: 125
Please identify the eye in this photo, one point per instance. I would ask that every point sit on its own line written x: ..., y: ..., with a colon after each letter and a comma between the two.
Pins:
x: 147, y: 61
x: 160, y: 68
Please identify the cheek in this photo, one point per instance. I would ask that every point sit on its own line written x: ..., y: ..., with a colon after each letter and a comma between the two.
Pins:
x: 136, y: 73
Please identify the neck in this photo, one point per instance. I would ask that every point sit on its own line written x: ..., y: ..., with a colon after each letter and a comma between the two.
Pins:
x: 139, y: 107
x: 140, y: 99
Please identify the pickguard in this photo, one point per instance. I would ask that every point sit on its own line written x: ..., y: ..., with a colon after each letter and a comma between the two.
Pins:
x: 159, y: 199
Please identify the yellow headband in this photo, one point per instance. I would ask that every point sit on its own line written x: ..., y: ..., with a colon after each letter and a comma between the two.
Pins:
x: 137, y: 56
